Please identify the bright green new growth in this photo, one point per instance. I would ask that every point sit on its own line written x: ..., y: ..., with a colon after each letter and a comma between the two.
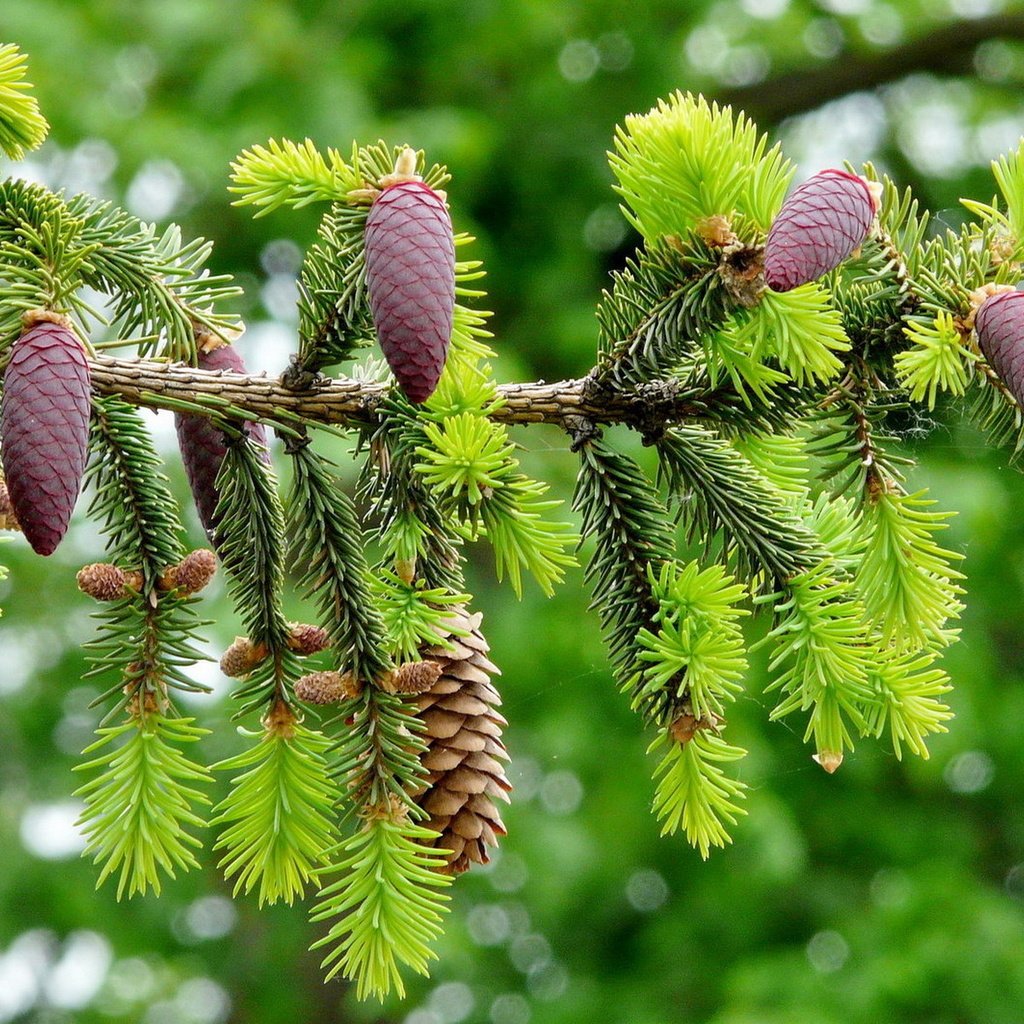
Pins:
x: 388, y: 903
x: 694, y: 794
x: 937, y: 362
x: 278, y: 819
x: 687, y: 160
x: 138, y: 809
x: 22, y: 126
x: 909, y: 586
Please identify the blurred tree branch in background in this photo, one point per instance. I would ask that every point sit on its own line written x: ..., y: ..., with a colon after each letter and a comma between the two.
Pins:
x: 949, y: 50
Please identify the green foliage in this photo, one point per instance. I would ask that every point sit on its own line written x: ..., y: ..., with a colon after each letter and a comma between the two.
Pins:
x: 291, y: 174
x: 799, y: 330
x: 467, y: 454
x: 22, y: 126
x: 329, y: 561
x: 1008, y: 171
x: 387, y: 902
x: 278, y: 817
x: 162, y: 289
x: 724, y: 500
x: 693, y: 793
x: 803, y: 331
x: 687, y: 160
x: 819, y: 648
x: 138, y: 808
x: 907, y: 581
x: 132, y: 498
x: 146, y: 643
x: 250, y: 542
x: 623, y: 514
x: 936, y: 362
x: 698, y: 646
x: 377, y: 753
x: 907, y: 687
x: 413, y: 614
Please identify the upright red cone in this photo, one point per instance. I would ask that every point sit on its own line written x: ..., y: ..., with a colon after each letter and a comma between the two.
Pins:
x: 202, y: 443
x: 410, y: 276
x: 999, y: 324
x: 44, y: 423
x: 820, y: 224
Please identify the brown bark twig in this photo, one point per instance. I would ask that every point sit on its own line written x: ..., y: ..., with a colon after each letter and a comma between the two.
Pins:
x: 345, y: 401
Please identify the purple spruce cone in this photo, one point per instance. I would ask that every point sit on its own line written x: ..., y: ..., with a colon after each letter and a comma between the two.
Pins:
x: 999, y: 324
x: 410, y: 274
x: 202, y: 444
x: 44, y: 421
x: 821, y: 223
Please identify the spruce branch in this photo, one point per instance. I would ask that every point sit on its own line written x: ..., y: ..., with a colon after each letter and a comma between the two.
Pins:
x: 907, y: 581
x: 693, y: 792
x: 22, y: 126
x: 291, y: 174
x: 630, y: 527
x: 908, y: 688
x: 250, y: 540
x: 697, y: 652
x: 278, y: 818
x: 822, y: 660
x: 138, y: 808
x: 723, y: 499
x: 147, y: 640
x: 329, y: 560
x: 385, y: 906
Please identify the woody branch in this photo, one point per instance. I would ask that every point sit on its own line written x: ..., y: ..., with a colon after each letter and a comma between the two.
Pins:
x: 343, y: 400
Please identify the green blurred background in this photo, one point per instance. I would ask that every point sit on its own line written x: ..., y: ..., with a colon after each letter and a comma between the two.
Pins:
x: 887, y: 893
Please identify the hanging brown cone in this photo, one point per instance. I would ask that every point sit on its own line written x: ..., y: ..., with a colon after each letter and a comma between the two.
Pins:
x: 464, y: 755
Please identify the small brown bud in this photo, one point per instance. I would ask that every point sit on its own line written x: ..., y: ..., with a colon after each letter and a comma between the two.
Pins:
x: 412, y: 677
x: 686, y: 726
x: 192, y: 573
x: 102, y: 581
x: 716, y: 231
x: 280, y: 720
x: 830, y: 760
x: 308, y: 639
x: 242, y: 657
x: 327, y: 687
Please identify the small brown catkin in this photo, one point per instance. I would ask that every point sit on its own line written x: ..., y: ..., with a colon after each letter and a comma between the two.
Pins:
x: 192, y: 573
x: 464, y: 754
x: 305, y: 638
x: 102, y: 581
x: 242, y: 657
x: 327, y: 687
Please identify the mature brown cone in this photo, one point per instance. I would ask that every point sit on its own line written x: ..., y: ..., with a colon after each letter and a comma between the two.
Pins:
x: 464, y: 752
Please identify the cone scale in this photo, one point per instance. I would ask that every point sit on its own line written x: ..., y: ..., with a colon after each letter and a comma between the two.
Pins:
x: 410, y: 277
x: 44, y: 423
